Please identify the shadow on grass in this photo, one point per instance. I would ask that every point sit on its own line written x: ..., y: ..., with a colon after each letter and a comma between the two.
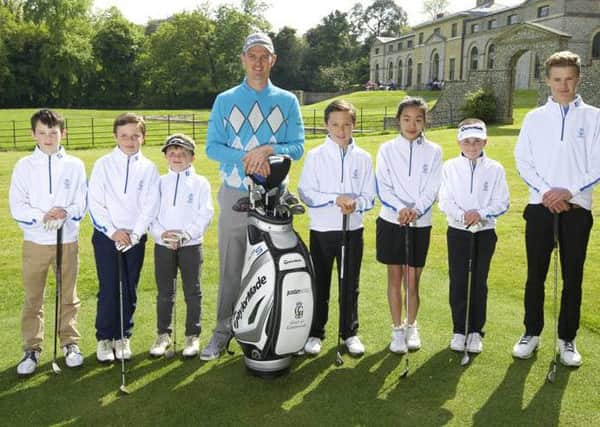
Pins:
x: 505, y: 405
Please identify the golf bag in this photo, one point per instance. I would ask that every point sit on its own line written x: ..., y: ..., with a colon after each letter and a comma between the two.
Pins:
x: 273, y: 314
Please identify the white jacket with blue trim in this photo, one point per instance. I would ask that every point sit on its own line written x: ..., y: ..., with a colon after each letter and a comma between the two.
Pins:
x: 123, y: 193
x: 560, y: 147
x: 408, y: 174
x: 328, y: 172
x: 185, y: 204
x: 479, y: 185
x: 39, y: 183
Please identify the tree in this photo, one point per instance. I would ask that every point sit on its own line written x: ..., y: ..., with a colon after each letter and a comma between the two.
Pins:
x: 290, y: 51
x: 381, y: 18
x: 435, y: 8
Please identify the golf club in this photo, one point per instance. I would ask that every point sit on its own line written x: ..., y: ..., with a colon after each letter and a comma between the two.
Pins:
x: 404, y: 373
x: 123, y: 387
x: 338, y: 357
x: 171, y: 351
x: 555, y: 355
x: 473, y: 229
x: 57, y: 299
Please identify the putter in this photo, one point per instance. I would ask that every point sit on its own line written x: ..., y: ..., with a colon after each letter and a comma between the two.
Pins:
x: 553, y: 364
x: 338, y: 357
x: 57, y: 299
x: 404, y: 373
x: 123, y: 387
x: 466, y: 359
x: 171, y: 351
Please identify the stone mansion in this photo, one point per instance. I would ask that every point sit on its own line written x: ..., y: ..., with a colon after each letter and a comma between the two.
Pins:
x: 451, y: 46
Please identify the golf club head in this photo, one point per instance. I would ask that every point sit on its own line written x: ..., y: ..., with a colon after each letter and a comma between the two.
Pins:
x: 551, y: 376
x: 123, y: 389
x: 297, y: 209
x: 404, y: 373
x: 465, y: 360
x: 170, y: 353
x: 56, y: 368
x: 338, y: 359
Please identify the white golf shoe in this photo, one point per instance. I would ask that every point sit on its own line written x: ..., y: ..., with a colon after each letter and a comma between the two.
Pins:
x: 104, y: 351
x: 191, y: 346
x: 28, y: 363
x: 162, y: 342
x: 526, y: 346
x: 354, y: 346
x: 569, y: 356
x: 474, y: 343
x: 122, y: 349
x: 73, y: 356
x: 413, y: 340
x: 398, y: 343
x: 458, y: 342
x: 313, y: 345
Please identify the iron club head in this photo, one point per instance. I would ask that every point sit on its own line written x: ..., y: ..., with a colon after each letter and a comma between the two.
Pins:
x: 338, y: 359
x: 551, y: 376
x: 170, y: 353
x: 56, y: 368
x: 404, y: 373
x: 123, y: 389
x: 465, y: 360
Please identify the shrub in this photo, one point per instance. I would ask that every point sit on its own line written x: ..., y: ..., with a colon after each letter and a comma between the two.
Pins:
x: 480, y: 104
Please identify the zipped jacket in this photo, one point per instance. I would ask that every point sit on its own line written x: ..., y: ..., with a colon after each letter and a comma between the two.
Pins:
x: 473, y: 185
x: 328, y: 172
x: 185, y: 204
x: 560, y: 147
x: 408, y: 175
x: 42, y: 181
x: 123, y: 193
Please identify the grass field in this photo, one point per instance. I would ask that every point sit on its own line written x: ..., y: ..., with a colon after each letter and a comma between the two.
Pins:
x: 493, y: 390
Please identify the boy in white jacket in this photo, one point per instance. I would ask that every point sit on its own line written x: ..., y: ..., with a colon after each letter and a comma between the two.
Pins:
x: 337, y: 180
x: 123, y: 201
x: 408, y: 175
x: 184, y: 215
x: 47, y: 191
x: 473, y: 193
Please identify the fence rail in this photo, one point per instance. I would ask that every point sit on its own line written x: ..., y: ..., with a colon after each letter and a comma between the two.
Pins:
x: 97, y: 132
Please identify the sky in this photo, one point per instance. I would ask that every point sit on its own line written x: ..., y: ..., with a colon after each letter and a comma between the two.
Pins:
x: 299, y: 14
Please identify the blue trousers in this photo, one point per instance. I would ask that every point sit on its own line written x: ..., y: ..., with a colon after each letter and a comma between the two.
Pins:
x: 108, y: 324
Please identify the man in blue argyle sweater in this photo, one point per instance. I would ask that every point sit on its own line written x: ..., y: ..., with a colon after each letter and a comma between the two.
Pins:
x: 248, y: 123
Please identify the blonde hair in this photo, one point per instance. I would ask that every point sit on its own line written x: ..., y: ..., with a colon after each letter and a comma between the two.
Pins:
x: 563, y: 59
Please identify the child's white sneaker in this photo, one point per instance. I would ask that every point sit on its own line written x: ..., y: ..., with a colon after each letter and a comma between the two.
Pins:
x: 354, y: 346
x: 526, y: 346
x: 458, y: 342
x: 398, y: 343
x: 28, y: 363
x: 313, y: 345
x: 122, y: 349
x: 104, y: 351
x: 413, y: 340
x: 73, y: 356
x: 191, y: 346
x: 474, y: 343
x: 569, y: 356
x: 162, y: 342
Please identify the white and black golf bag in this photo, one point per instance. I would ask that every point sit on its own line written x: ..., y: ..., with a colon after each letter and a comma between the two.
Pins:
x: 273, y: 314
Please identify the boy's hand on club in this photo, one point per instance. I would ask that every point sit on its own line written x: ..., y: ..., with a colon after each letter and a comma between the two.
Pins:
x: 471, y: 217
x: 346, y: 203
x: 556, y: 199
x: 407, y: 216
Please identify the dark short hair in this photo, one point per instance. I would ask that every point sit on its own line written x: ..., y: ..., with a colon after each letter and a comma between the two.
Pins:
x: 564, y: 58
x: 340, y: 105
x: 49, y: 118
x: 128, y: 118
x: 412, y: 101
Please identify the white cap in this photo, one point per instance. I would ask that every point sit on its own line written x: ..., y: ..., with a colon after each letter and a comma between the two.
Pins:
x: 472, y: 130
x: 259, y: 39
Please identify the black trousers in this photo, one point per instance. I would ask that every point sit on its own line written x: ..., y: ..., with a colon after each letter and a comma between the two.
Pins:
x: 573, y: 236
x: 325, y: 246
x: 459, y: 252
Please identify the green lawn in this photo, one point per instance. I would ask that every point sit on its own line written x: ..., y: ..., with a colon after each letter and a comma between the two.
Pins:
x: 493, y: 390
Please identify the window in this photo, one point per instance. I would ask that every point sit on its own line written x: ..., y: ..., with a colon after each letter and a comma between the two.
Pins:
x: 537, y: 65
x: 409, y: 44
x: 596, y: 46
x: 454, y: 30
x: 400, y: 46
x: 492, y: 23
x: 376, y: 51
x: 391, y: 71
x: 420, y: 38
x: 474, y: 58
x: 512, y: 19
x: 400, y: 65
x: 437, y: 31
x: 376, y: 72
x: 419, y: 73
x: 474, y: 28
x: 543, y: 11
x: 491, y: 56
x: 391, y: 48
x: 409, y: 72
x: 452, y: 68
x: 435, y: 66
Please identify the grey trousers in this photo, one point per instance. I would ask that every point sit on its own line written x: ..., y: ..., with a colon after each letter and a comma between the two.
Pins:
x: 232, y: 250
x: 188, y: 261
